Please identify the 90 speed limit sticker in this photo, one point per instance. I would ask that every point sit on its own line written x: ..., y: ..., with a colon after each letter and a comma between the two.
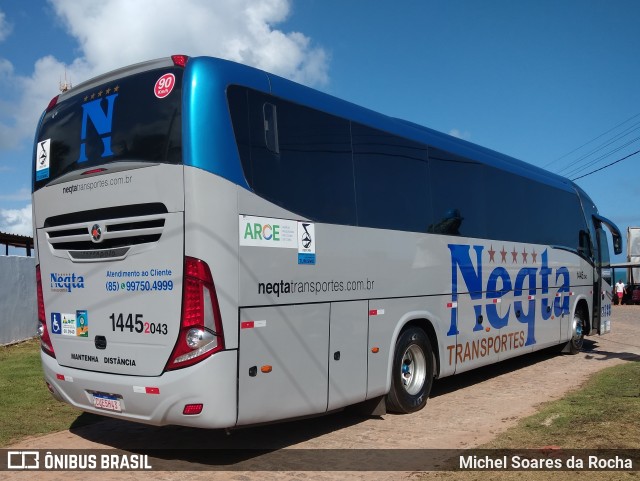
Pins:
x: 164, y: 85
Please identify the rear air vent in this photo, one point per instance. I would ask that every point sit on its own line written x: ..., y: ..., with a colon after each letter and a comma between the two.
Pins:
x: 94, y: 215
x: 111, y: 231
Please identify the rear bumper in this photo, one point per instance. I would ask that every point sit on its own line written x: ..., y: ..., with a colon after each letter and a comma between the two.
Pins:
x: 212, y: 382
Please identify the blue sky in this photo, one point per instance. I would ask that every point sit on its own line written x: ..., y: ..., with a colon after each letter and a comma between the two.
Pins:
x: 532, y: 79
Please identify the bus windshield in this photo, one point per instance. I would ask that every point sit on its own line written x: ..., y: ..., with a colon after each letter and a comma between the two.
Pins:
x: 134, y: 118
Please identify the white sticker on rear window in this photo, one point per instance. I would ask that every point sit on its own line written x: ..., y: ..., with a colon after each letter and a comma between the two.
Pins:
x: 43, y: 151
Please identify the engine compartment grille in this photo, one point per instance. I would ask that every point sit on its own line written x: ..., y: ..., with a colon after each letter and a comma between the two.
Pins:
x: 108, y: 228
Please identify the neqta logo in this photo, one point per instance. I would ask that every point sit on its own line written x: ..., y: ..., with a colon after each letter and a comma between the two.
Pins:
x: 484, y: 289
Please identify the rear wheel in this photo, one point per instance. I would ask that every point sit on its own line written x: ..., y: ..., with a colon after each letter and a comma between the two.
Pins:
x: 412, y: 372
x: 578, y: 327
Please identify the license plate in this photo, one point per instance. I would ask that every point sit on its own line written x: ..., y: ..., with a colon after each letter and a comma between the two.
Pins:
x: 109, y: 403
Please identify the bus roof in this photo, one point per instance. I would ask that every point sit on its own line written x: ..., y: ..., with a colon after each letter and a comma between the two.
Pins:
x: 231, y: 73
x: 238, y: 74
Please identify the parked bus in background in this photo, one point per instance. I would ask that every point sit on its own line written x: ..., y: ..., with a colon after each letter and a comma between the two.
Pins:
x: 218, y: 246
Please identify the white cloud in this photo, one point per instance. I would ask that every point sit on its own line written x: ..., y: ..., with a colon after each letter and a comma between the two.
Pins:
x: 116, y: 33
x: 38, y: 90
x: 22, y: 194
x: 461, y: 135
x: 16, y: 221
x: 239, y: 30
x: 5, y: 27
x: 8, y: 109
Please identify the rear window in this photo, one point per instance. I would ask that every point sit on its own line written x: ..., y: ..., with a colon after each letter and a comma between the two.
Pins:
x: 135, y: 118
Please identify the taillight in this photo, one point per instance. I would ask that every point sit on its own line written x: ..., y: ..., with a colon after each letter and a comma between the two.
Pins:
x: 179, y: 60
x: 94, y: 171
x: 52, y: 103
x: 201, y: 326
x: 43, y: 332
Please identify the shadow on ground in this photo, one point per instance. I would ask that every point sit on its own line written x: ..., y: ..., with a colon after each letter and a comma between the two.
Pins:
x: 250, y: 448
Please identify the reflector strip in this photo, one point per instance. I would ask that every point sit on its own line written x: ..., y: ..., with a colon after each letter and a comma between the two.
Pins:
x: 146, y: 390
x: 62, y: 377
x: 252, y: 324
x: 192, y: 409
x: 531, y: 298
x: 376, y: 312
x: 452, y: 305
x: 496, y: 301
x: 94, y: 171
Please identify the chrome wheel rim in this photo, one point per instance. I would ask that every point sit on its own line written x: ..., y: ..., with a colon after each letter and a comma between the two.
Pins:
x: 413, y: 370
x: 578, y: 333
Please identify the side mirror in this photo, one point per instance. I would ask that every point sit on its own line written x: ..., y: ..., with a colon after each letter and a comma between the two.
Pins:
x: 615, y: 233
x: 617, y: 244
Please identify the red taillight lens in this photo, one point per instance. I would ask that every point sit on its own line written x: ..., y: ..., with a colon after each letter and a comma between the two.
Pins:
x: 52, y: 103
x: 180, y: 60
x: 201, y: 326
x: 94, y: 171
x: 43, y: 332
x: 41, y: 314
x: 197, y: 280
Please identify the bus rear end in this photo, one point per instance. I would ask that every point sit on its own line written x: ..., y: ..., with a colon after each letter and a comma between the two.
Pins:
x: 129, y: 325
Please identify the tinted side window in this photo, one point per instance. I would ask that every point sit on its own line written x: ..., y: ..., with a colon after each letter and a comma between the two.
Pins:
x: 391, y: 181
x: 311, y: 170
x: 561, y: 215
x: 522, y: 210
x: 458, y: 195
x: 509, y: 202
x: 239, y: 110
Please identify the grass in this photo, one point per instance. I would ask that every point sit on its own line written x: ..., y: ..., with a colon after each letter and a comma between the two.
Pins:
x: 26, y: 407
x: 603, y: 414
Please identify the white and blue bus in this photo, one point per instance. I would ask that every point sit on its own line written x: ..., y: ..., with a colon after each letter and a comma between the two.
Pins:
x: 218, y: 246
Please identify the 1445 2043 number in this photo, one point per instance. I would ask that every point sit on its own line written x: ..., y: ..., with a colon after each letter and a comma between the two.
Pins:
x: 134, y: 322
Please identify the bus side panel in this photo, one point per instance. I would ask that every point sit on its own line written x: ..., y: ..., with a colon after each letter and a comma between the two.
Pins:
x: 284, y: 368
x: 348, y: 353
x: 211, y: 234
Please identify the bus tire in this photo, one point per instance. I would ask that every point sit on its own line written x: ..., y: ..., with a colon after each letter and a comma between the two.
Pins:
x: 577, y: 332
x: 412, y: 372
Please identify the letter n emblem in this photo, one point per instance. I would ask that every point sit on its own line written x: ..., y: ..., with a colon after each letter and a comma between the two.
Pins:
x: 102, y: 121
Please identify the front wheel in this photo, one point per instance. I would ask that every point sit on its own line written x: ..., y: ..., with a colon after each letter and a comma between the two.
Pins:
x: 412, y: 372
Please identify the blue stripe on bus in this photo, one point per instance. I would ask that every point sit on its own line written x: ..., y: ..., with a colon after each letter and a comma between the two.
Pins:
x: 210, y: 144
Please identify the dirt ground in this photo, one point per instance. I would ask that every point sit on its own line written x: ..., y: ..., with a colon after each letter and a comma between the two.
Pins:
x: 463, y: 412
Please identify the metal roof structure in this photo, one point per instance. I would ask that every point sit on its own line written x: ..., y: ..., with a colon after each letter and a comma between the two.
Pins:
x: 16, y: 240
